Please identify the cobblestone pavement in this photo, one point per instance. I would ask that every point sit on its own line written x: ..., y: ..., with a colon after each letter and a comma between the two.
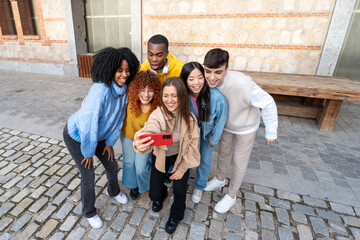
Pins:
x: 40, y: 199
x: 306, y: 186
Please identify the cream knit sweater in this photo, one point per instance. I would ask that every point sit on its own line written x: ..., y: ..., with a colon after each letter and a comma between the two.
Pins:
x: 237, y: 90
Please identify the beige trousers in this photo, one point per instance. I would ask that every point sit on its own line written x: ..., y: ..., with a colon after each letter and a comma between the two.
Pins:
x: 243, y: 145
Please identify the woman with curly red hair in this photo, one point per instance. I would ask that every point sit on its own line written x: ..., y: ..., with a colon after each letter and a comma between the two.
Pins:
x: 144, y: 97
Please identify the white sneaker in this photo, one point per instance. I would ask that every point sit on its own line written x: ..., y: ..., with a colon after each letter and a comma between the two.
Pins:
x: 196, y: 196
x: 120, y: 198
x: 225, y: 204
x: 214, y: 184
x: 95, y: 221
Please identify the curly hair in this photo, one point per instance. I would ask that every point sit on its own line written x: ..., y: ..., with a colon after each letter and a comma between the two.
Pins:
x: 108, y: 60
x: 141, y: 81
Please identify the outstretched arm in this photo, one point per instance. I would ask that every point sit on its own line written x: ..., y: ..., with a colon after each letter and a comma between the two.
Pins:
x: 142, y: 145
x: 152, y: 125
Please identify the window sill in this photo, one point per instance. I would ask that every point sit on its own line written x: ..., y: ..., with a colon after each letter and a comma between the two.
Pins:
x: 31, y: 37
x: 26, y: 37
x: 10, y: 37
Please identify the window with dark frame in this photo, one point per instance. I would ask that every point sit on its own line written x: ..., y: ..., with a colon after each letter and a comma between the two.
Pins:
x: 7, y: 21
x: 27, y: 13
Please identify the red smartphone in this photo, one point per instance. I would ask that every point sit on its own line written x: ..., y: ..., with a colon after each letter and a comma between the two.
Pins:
x: 159, y: 138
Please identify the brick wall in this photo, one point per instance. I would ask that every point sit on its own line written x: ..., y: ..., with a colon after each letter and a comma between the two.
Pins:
x: 260, y: 35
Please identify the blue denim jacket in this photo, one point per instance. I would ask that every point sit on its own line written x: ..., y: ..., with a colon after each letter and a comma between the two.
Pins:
x: 217, y: 118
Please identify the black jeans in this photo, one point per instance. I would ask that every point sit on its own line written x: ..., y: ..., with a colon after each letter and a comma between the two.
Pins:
x: 158, y: 189
x: 88, y: 174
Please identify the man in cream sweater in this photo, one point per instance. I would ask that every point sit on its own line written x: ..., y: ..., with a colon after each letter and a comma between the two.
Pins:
x: 245, y: 99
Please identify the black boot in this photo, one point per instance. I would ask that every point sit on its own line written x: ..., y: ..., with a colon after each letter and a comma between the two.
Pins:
x: 171, y: 225
x: 134, y: 193
x: 157, y: 205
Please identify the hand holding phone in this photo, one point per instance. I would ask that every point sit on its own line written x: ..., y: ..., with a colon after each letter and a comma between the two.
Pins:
x: 159, y: 138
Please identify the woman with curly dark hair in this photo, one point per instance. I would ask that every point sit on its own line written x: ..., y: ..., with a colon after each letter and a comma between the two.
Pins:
x: 94, y: 128
x: 144, y: 97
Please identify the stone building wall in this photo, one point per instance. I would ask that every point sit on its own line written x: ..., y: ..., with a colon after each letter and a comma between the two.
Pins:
x: 50, y: 46
x: 284, y: 36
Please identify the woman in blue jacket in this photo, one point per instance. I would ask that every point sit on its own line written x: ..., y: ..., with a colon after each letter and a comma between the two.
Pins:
x: 211, y: 108
x: 95, y: 127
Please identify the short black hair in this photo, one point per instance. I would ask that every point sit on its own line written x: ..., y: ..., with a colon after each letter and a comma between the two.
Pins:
x: 216, y: 58
x: 203, y: 100
x: 108, y: 60
x: 159, y: 39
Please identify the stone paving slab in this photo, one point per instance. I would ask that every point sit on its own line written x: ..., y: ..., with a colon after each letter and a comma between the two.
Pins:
x: 52, y: 209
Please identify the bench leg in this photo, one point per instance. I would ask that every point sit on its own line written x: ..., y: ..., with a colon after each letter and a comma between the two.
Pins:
x: 328, y: 116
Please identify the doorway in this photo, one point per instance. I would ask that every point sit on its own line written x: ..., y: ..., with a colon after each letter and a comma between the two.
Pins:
x: 108, y: 24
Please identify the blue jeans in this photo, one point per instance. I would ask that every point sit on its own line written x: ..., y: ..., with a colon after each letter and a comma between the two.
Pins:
x: 136, y: 167
x: 88, y: 174
x: 203, y: 170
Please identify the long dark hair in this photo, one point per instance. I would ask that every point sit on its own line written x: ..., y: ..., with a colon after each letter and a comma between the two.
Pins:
x: 108, y: 60
x: 182, y: 98
x: 203, y: 100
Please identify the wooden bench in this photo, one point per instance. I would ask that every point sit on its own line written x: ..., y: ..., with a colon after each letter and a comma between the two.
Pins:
x: 308, y: 96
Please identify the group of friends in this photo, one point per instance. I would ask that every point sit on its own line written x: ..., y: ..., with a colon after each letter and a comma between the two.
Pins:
x: 200, y: 104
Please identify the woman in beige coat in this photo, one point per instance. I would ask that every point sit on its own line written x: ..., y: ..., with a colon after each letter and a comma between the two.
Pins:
x: 174, y: 116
